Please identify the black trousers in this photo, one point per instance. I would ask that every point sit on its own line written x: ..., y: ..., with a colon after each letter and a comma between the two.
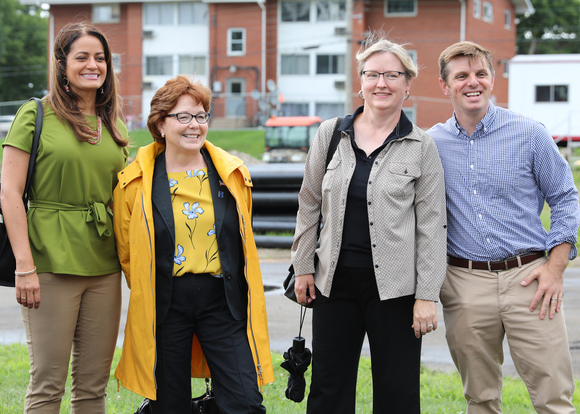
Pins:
x: 339, y: 324
x: 198, y: 306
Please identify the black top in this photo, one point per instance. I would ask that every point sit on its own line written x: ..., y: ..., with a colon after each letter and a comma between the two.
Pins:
x: 356, y: 240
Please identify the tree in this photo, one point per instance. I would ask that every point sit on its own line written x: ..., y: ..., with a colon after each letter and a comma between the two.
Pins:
x: 553, y: 28
x: 23, y: 51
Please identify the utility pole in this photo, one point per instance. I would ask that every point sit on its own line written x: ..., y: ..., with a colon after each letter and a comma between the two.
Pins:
x: 348, y: 59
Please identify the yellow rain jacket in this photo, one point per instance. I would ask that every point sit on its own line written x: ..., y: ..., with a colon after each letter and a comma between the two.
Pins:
x: 135, y: 237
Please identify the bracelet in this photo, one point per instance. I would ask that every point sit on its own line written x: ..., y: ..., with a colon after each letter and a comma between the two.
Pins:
x: 26, y: 273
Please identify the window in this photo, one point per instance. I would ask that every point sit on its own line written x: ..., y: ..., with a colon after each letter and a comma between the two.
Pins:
x: 192, y: 65
x: 192, y: 13
x: 236, y: 42
x: 552, y: 93
x: 157, y: 14
x: 295, y: 109
x: 106, y: 13
x: 295, y: 65
x: 295, y: 11
x: 329, y: 64
x: 477, y: 9
x: 330, y: 10
x: 487, y: 12
x: 413, y: 54
x: 329, y: 110
x: 507, y: 19
x: 116, y: 62
x: 400, y: 7
x: 159, y: 65
x: 411, y: 114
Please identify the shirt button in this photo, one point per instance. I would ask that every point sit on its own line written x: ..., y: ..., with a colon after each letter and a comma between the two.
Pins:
x: 369, y: 203
x: 487, y: 240
x: 471, y: 166
x: 474, y: 191
x: 371, y: 223
x: 480, y: 216
x: 471, y: 142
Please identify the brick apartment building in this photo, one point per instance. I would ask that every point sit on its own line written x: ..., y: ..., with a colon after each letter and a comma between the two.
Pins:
x: 287, y: 57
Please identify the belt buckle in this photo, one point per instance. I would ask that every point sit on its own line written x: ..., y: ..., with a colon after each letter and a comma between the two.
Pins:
x: 505, y: 265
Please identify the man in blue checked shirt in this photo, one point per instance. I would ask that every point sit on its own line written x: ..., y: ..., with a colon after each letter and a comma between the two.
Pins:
x: 500, y: 167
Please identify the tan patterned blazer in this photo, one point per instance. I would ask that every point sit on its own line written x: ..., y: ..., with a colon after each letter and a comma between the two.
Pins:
x: 407, y: 214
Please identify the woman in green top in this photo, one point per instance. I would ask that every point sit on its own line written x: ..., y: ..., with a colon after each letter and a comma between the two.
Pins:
x: 65, y: 252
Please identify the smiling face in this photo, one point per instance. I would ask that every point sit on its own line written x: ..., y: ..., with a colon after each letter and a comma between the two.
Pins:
x: 382, y: 94
x: 184, y: 138
x: 86, y: 68
x: 469, y: 84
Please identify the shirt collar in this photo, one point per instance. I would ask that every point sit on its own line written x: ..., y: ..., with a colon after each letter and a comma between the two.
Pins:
x: 484, y: 124
x: 404, y: 126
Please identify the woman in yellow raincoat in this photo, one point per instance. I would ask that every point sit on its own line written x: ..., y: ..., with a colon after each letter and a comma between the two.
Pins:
x: 184, y: 238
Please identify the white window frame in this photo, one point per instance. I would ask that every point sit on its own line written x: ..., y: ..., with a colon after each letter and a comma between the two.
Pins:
x: 169, y: 11
x: 114, y: 14
x: 400, y: 14
x: 116, y: 58
x: 197, y: 62
x: 336, y: 9
x: 488, y: 12
x: 336, y: 63
x: 161, y: 63
x: 232, y: 42
x: 310, y: 17
x: 507, y: 17
x: 294, y: 56
x: 477, y: 9
x: 413, y: 54
x: 411, y: 113
x: 552, y: 93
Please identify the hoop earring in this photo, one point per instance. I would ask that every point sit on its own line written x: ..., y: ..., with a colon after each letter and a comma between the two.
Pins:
x: 360, y: 94
x: 407, y: 94
x: 66, y: 88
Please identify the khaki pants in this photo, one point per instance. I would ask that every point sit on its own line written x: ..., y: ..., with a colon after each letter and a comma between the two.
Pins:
x: 479, y: 308
x: 77, y: 314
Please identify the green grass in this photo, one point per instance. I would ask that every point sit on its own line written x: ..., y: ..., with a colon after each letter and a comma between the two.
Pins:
x: 440, y: 392
x: 250, y: 141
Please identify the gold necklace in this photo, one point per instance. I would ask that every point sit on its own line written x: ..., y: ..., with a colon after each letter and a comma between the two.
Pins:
x: 96, y: 140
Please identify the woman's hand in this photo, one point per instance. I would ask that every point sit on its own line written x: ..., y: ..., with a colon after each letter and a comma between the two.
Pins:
x: 304, y: 288
x: 424, y: 317
x: 28, y: 290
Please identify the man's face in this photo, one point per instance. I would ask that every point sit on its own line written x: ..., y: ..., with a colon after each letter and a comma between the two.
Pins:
x: 469, y: 84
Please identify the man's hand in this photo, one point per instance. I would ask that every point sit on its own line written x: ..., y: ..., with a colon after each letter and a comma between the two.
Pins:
x: 550, y: 281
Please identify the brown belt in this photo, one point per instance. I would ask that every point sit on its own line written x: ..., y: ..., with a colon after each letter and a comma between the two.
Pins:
x: 495, y: 265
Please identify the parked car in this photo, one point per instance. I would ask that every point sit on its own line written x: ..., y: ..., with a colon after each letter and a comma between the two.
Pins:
x: 288, y: 137
x: 5, y: 122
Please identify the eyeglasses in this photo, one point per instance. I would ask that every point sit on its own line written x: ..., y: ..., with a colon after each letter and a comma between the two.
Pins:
x: 185, y: 118
x: 390, y: 76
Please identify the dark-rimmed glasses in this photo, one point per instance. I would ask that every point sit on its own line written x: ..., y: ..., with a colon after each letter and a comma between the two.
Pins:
x: 390, y: 76
x: 185, y: 118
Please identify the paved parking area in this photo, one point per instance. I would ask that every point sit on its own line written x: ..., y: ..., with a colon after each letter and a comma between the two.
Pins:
x: 283, y: 316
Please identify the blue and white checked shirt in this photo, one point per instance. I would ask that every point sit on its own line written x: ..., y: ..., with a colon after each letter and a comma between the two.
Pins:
x: 496, y: 183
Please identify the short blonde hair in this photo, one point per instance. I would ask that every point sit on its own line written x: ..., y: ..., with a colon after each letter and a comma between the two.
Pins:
x: 469, y: 49
x: 373, y: 45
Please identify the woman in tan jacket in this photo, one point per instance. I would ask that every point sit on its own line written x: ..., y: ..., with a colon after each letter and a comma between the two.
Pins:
x: 184, y: 238
x: 381, y: 261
